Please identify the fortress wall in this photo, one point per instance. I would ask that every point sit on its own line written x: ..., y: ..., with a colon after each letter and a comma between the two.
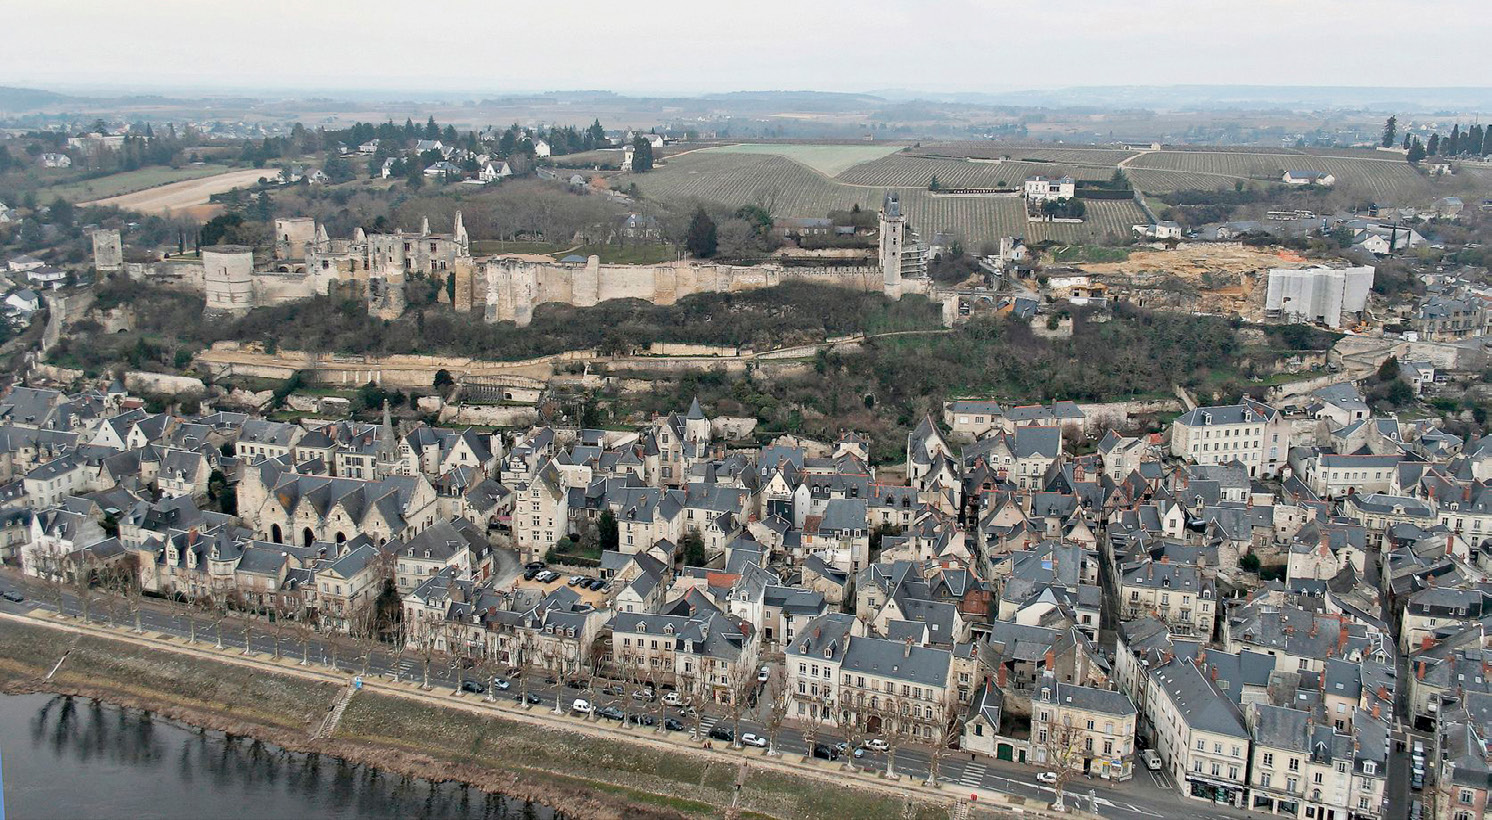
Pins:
x: 278, y: 288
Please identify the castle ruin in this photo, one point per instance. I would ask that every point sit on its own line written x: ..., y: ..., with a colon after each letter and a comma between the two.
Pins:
x: 375, y: 268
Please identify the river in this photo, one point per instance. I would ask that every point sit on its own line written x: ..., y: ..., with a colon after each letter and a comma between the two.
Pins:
x: 73, y: 758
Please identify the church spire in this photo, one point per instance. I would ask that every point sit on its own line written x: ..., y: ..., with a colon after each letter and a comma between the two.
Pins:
x: 388, y: 444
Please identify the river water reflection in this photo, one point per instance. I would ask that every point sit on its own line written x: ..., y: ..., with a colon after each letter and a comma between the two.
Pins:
x: 72, y: 758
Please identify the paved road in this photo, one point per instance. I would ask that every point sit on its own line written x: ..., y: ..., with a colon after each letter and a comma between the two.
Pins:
x: 1147, y: 795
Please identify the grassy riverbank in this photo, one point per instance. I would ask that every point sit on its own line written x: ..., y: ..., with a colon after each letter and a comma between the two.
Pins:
x: 580, y: 775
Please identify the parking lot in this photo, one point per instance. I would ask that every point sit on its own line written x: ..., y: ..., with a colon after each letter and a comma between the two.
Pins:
x: 595, y: 598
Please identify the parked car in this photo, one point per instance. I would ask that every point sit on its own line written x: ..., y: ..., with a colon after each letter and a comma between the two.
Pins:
x: 673, y: 725
x: 825, y: 752
x: 531, y: 699
x: 12, y: 596
x: 749, y: 739
x: 762, y: 675
x: 644, y: 695
x: 582, y: 706
x: 611, y: 713
x: 595, y: 584
x: 1152, y: 760
x: 574, y: 580
x: 722, y: 733
x: 1417, y: 781
x: 472, y: 686
x: 687, y: 711
x: 1046, y: 777
x: 673, y: 699
x: 613, y: 690
x: 576, y: 683
x: 501, y: 683
x: 535, y: 565
x: 530, y: 573
x: 876, y: 744
x: 641, y: 720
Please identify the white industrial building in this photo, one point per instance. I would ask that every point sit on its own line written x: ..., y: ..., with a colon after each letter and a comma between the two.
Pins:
x: 1318, y: 294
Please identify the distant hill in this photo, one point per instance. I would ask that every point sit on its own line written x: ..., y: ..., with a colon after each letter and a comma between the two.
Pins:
x: 29, y: 99
x: 1206, y: 97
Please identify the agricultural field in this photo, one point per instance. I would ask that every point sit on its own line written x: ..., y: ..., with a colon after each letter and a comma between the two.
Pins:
x: 1234, y: 164
x: 785, y: 187
x: 984, y: 149
x: 788, y: 188
x: 829, y: 160
x: 125, y: 182
x: 903, y: 171
x: 1154, y: 181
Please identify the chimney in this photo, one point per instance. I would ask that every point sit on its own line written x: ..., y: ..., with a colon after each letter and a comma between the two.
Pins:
x: 1419, y: 671
x: 1213, y: 670
x: 1201, y: 656
x: 1450, y: 540
x: 1051, y: 659
x: 906, y: 649
x: 1341, y: 639
x: 1426, y: 642
x: 1375, y: 711
x: 1000, y: 675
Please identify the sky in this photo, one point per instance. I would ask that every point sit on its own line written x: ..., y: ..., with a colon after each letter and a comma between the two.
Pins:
x: 700, y: 46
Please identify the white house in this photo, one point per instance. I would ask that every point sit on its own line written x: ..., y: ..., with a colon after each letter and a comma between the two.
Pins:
x: 53, y: 160
x: 493, y: 171
x: 1309, y: 178
x: 541, y: 148
x: 1042, y: 188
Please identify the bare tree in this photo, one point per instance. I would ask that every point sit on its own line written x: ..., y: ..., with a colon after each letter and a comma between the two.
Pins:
x: 776, y: 696
x: 237, y: 601
x: 282, y: 614
x: 216, y: 605
x: 740, y: 685
x: 853, y: 722
x: 1061, y: 744
x: 49, y: 563
x: 425, y: 647
x: 690, y: 680
x: 189, y: 611
x: 401, y: 646
x: 820, y: 704
x: 950, y: 717
x: 655, y: 685
x: 305, y: 630
x: 894, y: 722
x: 82, y: 579
x: 365, y: 632
x: 128, y: 576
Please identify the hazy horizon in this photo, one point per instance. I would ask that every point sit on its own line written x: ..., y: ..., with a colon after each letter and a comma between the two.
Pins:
x: 671, y: 48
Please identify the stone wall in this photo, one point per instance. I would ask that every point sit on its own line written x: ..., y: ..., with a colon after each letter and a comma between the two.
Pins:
x: 514, y: 287
x: 140, y: 383
x: 487, y: 415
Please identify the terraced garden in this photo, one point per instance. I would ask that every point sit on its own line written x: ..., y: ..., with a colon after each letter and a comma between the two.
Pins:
x: 904, y: 171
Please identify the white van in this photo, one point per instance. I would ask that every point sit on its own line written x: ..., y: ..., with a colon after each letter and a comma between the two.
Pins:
x: 1152, y: 759
x: 581, y: 706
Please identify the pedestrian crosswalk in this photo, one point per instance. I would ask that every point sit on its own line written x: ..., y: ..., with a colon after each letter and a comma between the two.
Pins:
x: 973, y: 774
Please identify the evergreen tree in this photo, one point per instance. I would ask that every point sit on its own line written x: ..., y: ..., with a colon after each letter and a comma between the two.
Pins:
x: 642, y: 154
x: 1407, y: 138
x: 1474, y: 138
x: 449, y: 134
x: 1452, y: 146
x: 432, y: 131
x: 595, y: 136
x: 1487, y: 141
x: 1434, y: 147
x: 410, y: 132
x: 1416, y: 152
x: 933, y: 186
x: 701, y: 240
x: 1390, y: 128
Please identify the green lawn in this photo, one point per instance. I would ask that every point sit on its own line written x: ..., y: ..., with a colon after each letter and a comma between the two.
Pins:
x: 489, y: 246
x: 1081, y: 254
x: 85, y: 190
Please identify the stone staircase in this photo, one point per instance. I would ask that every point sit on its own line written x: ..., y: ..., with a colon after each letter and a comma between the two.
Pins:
x: 329, y: 724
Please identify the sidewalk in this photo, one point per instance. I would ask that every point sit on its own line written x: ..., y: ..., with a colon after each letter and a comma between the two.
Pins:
x: 543, y: 716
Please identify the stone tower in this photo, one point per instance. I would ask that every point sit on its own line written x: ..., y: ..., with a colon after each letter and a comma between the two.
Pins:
x: 228, y: 272
x: 108, y: 250
x: 893, y: 236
